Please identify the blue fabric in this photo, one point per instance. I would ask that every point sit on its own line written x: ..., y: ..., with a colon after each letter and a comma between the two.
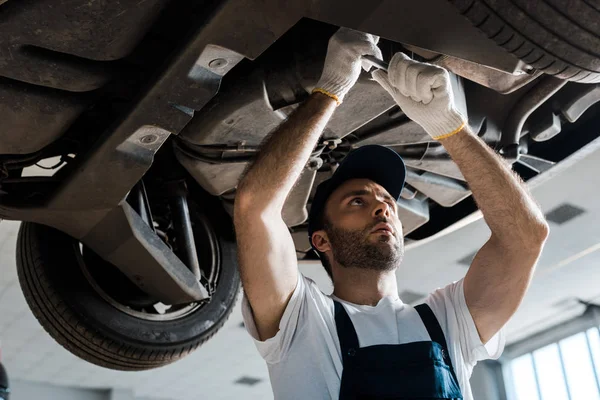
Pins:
x: 418, y: 370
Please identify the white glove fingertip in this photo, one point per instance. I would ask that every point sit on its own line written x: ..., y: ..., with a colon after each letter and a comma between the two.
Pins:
x: 441, y: 78
x: 376, y: 52
x: 382, y: 78
x: 373, y: 38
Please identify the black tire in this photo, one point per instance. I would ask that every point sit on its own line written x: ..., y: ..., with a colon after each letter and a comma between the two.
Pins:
x: 81, y: 320
x: 560, y: 38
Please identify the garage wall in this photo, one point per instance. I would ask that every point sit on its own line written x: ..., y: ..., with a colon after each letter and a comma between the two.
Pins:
x: 487, y: 382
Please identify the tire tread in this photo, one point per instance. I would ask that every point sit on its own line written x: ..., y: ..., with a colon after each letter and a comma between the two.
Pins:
x: 71, y: 330
x: 584, y: 68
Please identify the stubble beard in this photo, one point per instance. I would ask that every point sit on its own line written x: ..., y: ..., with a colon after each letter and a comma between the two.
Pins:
x: 353, y: 249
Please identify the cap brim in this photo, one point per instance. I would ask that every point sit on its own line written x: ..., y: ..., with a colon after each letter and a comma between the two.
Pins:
x: 374, y: 162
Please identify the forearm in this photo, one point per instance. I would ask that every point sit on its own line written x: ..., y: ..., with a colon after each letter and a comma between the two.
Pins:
x: 507, y: 206
x: 284, y: 153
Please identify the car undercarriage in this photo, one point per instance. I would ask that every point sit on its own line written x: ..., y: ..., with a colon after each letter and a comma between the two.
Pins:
x: 146, y: 114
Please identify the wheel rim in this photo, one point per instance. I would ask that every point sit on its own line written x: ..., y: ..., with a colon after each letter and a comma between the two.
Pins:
x: 208, y: 249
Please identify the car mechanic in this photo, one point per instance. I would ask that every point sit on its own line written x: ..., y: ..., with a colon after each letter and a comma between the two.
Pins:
x: 362, y: 341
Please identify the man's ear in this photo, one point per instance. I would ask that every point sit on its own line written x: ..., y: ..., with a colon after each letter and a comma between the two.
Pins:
x: 321, y: 241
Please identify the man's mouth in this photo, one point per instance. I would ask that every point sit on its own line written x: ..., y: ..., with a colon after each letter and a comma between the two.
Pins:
x: 383, y: 228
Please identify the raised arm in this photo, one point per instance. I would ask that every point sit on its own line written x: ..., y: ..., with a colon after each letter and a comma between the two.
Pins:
x: 267, y: 256
x: 501, y: 271
x: 498, y: 278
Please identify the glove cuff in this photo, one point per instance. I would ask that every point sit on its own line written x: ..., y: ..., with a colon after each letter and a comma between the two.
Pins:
x: 441, y: 125
x: 335, y: 87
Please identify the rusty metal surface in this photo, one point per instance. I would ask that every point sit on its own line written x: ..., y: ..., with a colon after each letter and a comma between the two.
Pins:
x: 501, y: 82
x: 65, y: 44
x: 542, y: 91
x: 33, y: 117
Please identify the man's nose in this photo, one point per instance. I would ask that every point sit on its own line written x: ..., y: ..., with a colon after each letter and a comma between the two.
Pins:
x: 383, y: 208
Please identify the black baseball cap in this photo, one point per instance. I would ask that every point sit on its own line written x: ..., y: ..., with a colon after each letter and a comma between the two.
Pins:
x: 378, y: 163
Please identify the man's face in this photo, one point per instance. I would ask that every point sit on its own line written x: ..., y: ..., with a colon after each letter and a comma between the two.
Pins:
x: 355, y: 212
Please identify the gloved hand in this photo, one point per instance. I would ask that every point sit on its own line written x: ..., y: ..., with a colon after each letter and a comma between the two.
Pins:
x: 343, y: 61
x: 424, y: 94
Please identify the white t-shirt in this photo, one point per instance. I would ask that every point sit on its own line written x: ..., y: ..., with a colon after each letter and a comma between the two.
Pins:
x: 304, y: 357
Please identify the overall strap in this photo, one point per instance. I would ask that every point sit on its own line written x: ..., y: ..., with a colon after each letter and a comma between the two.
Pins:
x: 345, y: 330
x: 432, y: 325
x: 435, y: 332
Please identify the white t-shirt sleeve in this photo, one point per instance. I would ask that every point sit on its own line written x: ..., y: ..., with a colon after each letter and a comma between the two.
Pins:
x: 274, y: 349
x: 449, y: 306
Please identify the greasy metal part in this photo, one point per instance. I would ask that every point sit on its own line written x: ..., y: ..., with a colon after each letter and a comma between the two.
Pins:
x: 364, y: 102
x: 184, y: 233
x: 294, y: 209
x: 443, y: 190
x: 536, y: 164
x: 408, y: 193
x: 137, y: 251
x: 545, y: 127
x: 579, y: 101
x: 231, y: 117
x: 211, y: 157
x: 390, y: 132
x: 301, y: 243
x: 499, y: 81
x: 431, y: 157
x: 139, y: 201
x: 245, y: 115
x: 438, y: 165
x: 412, y: 213
x: 215, y: 178
x: 92, y: 184
x: 513, y: 125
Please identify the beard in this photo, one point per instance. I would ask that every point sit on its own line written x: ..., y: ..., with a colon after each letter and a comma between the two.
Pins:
x: 353, y: 249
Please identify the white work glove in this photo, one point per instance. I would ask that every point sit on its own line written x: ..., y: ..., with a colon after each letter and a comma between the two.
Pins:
x: 344, y: 60
x: 424, y: 94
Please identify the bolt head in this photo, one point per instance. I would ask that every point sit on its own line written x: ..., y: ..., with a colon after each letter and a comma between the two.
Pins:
x: 149, y: 139
x: 217, y: 63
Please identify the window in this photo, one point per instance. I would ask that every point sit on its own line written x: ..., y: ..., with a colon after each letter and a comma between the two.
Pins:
x: 566, y: 370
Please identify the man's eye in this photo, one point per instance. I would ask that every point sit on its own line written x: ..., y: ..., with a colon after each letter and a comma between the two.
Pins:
x: 356, y: 199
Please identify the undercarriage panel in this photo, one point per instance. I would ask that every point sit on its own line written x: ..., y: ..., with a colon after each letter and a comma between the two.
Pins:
x: 216, y: 78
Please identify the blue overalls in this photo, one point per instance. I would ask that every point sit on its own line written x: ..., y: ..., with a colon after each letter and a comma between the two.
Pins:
x: 417, y: 370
